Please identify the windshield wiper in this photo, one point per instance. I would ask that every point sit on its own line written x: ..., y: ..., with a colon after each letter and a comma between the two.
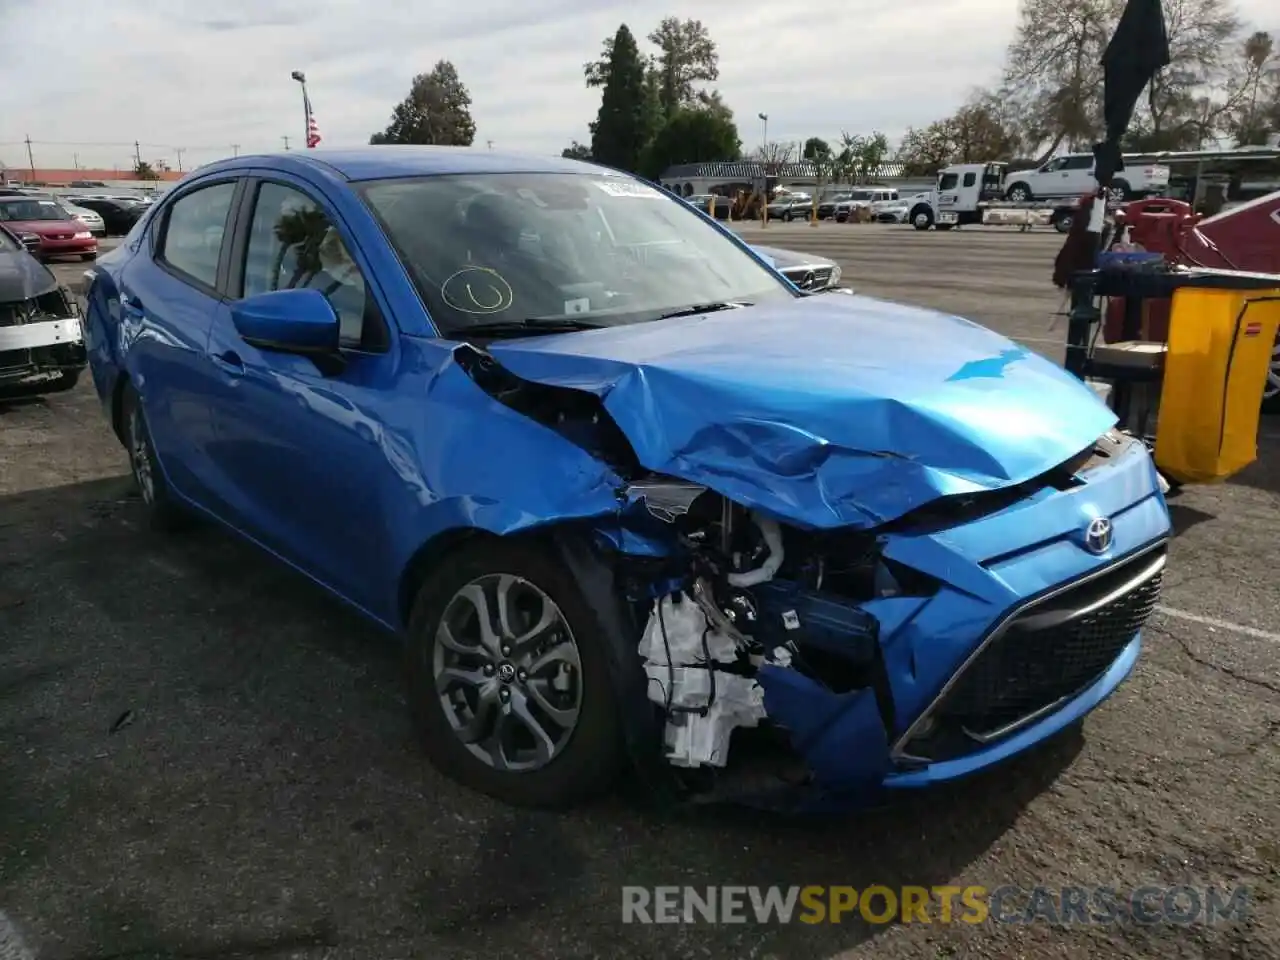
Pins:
x: 697, y: 308
x: 520, y: 328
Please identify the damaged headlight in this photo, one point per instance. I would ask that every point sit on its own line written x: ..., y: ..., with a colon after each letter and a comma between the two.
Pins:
x: 666, y: 498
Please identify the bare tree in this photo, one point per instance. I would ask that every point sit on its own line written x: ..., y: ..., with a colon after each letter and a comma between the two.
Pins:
x: 1173, y: 116
x: 1055, y: 68
x: 1256, y: 80
x: 774, y: 154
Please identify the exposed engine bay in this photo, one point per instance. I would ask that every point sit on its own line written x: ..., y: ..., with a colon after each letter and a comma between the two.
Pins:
x: 757, y: 593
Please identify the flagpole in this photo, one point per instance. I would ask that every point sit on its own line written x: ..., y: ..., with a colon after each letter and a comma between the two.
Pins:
x: 306, y: 107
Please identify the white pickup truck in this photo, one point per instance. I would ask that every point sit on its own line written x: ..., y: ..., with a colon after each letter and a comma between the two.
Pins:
x: 1071, y: 175
x: 970, y: 193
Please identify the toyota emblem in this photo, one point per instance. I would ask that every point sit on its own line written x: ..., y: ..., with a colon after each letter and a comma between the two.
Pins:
x: 1098, y: 535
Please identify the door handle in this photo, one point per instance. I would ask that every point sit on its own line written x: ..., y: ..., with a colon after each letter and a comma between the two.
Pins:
x: 230, y: 361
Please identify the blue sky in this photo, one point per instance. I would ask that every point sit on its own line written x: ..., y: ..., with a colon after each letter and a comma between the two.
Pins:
x: 202, y: 76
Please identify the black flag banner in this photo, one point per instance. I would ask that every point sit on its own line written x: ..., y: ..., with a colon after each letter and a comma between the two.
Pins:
x: 1137, y: 52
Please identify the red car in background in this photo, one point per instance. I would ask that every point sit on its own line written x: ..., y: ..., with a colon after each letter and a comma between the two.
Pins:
x: 59, y: 235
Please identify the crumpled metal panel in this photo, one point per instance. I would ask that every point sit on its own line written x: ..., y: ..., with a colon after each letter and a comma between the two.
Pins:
x: 827, y: 412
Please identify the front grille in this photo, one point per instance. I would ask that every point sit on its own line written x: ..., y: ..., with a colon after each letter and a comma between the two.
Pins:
x: 1041, y: 657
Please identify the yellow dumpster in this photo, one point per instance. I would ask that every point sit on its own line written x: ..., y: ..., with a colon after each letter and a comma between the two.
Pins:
x: 1215, y: 369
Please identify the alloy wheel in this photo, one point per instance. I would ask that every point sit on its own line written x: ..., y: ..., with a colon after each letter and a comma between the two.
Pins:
x: 508, y: 674
x: 140, y: 456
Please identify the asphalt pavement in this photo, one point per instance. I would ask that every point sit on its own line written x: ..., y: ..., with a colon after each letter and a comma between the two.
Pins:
x: 201, y: 756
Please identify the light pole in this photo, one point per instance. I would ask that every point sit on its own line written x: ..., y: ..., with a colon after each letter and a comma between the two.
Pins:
x: 306, y: 106
x: 764, y: 154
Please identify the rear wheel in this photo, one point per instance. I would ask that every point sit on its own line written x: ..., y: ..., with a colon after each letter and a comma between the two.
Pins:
x: 1062, y: 221
x: 508, y: 684
x: 163, y: 512
x: 1119, y: 191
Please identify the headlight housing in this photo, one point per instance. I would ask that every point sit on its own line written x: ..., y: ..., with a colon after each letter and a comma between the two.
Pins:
x: 835, y: 276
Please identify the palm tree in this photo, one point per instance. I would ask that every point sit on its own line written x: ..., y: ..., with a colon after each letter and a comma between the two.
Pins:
x: 303, y: 228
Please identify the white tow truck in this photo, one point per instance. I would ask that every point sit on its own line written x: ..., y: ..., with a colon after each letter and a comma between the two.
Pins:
x: 971, y: 193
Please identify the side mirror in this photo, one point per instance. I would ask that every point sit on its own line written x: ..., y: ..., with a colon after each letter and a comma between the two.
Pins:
x: 288, y: 321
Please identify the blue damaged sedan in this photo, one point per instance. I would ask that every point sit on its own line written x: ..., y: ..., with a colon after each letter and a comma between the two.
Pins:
x: 630, y: 499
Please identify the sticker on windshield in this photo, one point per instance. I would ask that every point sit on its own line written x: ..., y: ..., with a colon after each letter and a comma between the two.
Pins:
x: 581, y: 305
x: 628, y: 188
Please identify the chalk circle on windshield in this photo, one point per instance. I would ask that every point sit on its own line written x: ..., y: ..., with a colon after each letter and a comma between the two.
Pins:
x: 477, y: 290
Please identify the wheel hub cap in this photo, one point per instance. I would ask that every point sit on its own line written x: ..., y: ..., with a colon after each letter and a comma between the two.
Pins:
x: 507, y: 673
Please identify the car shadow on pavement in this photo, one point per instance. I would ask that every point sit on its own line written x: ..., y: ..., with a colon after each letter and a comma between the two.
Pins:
x: 201, y: 751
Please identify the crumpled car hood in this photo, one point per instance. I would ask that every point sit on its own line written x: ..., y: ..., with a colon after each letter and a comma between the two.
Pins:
x: 825, y: 411
x: 22, y: 277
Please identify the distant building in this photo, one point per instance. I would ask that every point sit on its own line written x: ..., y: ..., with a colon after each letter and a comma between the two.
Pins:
x: 61, y: 178
x: 690, y: 179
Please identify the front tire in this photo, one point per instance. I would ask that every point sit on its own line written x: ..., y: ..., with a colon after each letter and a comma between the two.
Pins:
x: 508, y: 685
x: 163, y: 512
x: 922, y: 218
x: 1018, y: 193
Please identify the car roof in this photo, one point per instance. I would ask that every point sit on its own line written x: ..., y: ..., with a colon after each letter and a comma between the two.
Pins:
x: 398, y: 160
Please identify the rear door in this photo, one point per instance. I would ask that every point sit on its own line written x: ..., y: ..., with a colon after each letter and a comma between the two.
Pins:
x: 170, y: 299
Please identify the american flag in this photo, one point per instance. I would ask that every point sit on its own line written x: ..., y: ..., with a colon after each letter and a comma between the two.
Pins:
x: 313, y: 128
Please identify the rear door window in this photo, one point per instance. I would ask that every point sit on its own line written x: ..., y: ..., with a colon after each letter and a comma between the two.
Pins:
x: 193, y: 234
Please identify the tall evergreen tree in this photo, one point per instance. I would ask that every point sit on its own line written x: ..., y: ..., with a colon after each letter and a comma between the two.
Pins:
x: 437, y: 110
x: 621, y: 132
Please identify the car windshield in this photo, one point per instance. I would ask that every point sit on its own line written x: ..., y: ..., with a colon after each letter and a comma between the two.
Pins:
x: 598, y: 248
x: 19, y: 210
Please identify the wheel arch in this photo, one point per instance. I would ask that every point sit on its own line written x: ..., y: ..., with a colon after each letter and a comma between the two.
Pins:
x: 123, y: 382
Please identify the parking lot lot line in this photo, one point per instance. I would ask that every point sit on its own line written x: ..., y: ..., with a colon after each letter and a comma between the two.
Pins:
x: 1218, y: 624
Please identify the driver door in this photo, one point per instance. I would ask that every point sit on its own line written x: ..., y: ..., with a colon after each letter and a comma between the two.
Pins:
x: 302, y: 450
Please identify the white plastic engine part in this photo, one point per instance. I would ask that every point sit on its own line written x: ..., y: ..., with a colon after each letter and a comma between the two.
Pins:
x: 773, y: 540
x: 695, y: 739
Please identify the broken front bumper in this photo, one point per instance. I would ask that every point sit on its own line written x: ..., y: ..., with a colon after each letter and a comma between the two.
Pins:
x: 1030, y: 632
x: 47, y: 346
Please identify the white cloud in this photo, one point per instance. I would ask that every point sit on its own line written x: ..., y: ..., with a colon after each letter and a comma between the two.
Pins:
x: 204, y: 76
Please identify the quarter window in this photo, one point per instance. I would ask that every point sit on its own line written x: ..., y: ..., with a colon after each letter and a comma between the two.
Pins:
x: 193, y: 235
x: 294, y: 244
